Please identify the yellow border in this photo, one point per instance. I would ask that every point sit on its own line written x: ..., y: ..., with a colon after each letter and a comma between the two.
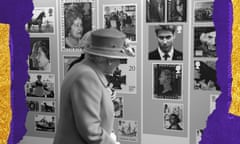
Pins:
x: 5, y: 84
x: 235, y: 104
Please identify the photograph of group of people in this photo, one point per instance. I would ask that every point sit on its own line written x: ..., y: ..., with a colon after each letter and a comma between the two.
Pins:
x: 121, y: 17
x: 40, y: 85
x: 176, y: 10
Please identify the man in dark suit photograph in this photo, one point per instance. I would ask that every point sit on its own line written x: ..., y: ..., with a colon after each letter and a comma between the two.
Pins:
x: 166, y: 35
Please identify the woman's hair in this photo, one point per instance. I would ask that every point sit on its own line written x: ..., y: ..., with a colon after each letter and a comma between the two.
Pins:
x: 43, y: 45
x: 71, y: 12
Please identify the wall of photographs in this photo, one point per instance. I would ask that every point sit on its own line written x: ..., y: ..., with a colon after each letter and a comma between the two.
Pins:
x: 163, y: 95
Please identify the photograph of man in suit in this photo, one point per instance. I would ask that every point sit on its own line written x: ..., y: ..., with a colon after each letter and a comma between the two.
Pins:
x: 165, y: 50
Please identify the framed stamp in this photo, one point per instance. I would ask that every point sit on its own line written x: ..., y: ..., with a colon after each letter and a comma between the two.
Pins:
x: 123, y: 79
x: 165, y: 42
x: 118, y: 107
x: 167, y: 81
x: 42, y: 21
x: 39, y: 59
x: 176, y: 10
x: 48, y: 106
x: 127, y: 130
x: 33, y: 105
x: 122, y: 17
x: 203, y: 11
x: 205, y: 42
x: 173, y: 117
x: 45, y: 123
x: 77, y: 19
x: 205, y: 77
x: 155, y: 10
x: 40, y: 85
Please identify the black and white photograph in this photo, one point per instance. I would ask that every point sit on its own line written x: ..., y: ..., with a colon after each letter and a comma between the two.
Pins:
x: 45, y: 123
x: 33, y: 105
x: 213, y: 98
x: 127, y: 130
x: 42, y: 21
x: 167, y: 81
x: 76, y: 21
x: 48, y: 106
x: 118, y: 107
x: 155, y: 10
x: 165, y: 42
x: 205, y: 42
x: 67, y: 61
x: 123, y: 79
x: 39, y: 57
x: 173, y: 116
x: 121, y: 17
x: 40, y: 85
x: 176, y: 10
x: 203, y: 11
x: 199, y: 133
x: 205, y: 77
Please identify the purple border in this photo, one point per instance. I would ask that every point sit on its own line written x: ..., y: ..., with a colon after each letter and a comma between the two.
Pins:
x: 222, y: 128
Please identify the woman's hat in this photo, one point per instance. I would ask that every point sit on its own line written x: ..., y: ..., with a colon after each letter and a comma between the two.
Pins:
x: 109, y: 43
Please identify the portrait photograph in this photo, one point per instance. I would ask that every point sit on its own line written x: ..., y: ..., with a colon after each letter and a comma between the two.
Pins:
x: 213, y: 98
x: 123, y: 79
x: 118, y: 107
x: 42, y: 21
x: 76, y: 21
x: 45, y: 123
x: 165, y: 42
x: 155, y: 11
x: 176, y: 10
x: 127, y: 130
x: 48, y: 106
x: 205, y: 77
x: 199, y: 133
x: 167, y: 81
x: 203, y: 11
x: 205, y: 42
x: 121, y: 17
x: 40, y: 85
x: 173, y: 116
x: 33, y: 105
x: 39, y: 57
x: 67, y: 60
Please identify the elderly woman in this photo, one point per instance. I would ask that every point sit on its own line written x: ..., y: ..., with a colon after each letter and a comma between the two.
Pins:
x: 86, y: 108
x: 77, y: 20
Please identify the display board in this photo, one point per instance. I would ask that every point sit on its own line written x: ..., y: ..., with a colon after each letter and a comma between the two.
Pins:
x: 160, y: 98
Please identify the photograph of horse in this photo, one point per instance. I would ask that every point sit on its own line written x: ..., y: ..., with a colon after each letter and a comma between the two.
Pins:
x: 42, y: 21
